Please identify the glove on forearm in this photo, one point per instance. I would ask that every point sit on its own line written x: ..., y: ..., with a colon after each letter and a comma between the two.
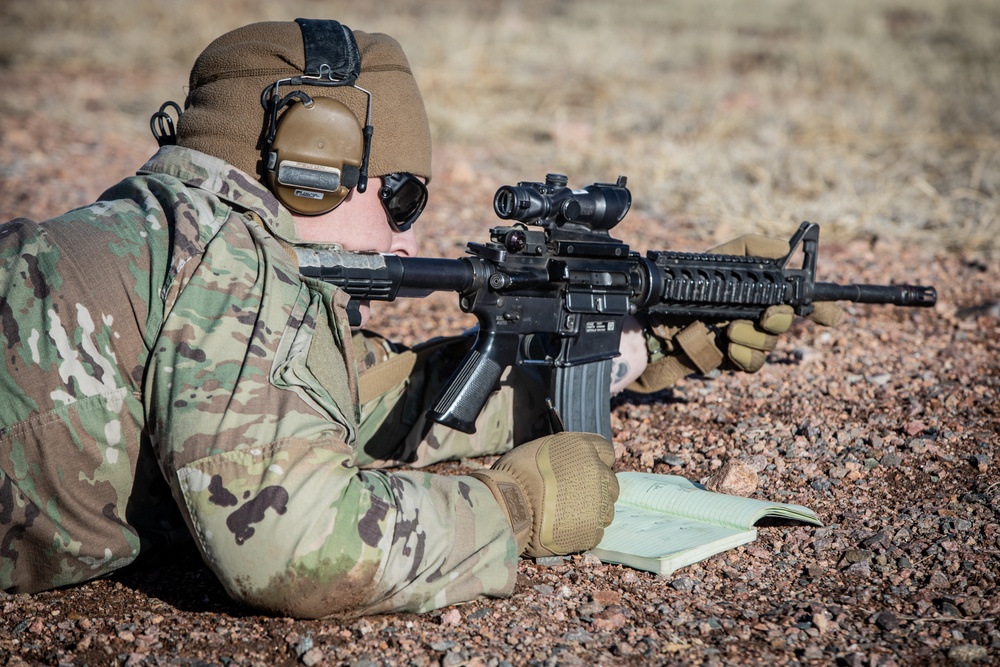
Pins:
x: 558, y: 492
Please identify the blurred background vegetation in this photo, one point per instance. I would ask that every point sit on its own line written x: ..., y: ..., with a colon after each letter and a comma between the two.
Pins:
x: 873, y: 117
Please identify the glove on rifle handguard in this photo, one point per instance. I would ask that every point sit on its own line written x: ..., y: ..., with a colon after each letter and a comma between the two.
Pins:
x: 558, y: 492
x: 675, y: 352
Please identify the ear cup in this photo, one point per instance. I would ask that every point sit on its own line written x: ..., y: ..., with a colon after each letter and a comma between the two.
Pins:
x: 316, y: 156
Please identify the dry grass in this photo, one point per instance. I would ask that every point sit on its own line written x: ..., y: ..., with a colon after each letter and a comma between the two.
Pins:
x: 871, y: 117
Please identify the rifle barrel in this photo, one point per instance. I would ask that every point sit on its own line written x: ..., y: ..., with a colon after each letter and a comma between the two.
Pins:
x: 899, y: 295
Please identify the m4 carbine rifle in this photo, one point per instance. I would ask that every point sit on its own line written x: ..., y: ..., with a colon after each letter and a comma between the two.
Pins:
x: 554, y: 289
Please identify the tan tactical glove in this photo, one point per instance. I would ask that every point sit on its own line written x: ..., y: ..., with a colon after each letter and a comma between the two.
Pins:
x: 558, y: 492
x: 677, y: 351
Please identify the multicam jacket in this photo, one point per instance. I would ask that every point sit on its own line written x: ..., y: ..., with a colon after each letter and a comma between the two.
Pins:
x: 168, y: 373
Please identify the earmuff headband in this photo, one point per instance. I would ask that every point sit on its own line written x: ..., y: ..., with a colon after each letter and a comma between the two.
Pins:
x: 332, y: 58
x: 331, y: 50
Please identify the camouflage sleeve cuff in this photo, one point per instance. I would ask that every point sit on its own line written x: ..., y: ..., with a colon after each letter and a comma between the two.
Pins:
x: 510, y: 497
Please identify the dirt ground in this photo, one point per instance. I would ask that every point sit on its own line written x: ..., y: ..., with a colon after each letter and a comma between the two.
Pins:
x: 887, y: 426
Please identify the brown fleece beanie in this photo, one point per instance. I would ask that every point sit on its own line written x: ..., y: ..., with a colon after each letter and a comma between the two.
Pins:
x: 223, y: 115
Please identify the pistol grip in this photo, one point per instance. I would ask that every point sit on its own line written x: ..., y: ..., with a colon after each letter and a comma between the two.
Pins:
x: 470, y: 386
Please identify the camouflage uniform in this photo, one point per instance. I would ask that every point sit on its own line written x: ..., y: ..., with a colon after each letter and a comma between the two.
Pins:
x: 168, y: 373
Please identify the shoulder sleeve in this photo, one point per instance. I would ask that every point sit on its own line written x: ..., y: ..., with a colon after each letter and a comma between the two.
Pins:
x: 252, y: 399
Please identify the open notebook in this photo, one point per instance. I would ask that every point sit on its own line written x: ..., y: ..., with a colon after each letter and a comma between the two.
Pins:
x: 664, y: 522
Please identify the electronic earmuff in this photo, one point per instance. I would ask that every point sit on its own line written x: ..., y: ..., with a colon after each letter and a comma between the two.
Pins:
x: 316, y: 155
x: 315, y: 150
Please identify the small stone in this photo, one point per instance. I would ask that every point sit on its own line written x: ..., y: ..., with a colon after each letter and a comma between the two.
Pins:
x: 578, y: 635
x: 968, y: 653
x: 733, y: 478
x: 673, y: 460
x: 814, y: 570
x: 312, y: 657
x: 451, y: 617
x: 887, y: 621
x: 938, y: 580
x: 550, y: 561
x: 860, y: 570
x: 972, y: 607
x: 757, y: 463
x: 607, y: 597
x: 857, y: 555
x: 622, y: 649
x: 821, y: 621
x: 683, y: 584
x: 981, y: 462
x: 876, y: 541
x: 820, y: 484
x: 442, y: 646
x: 304, y: 645
x: 812, y: 652
x: 948, y: 608
x: 609, y: 622
x: 891, y: 459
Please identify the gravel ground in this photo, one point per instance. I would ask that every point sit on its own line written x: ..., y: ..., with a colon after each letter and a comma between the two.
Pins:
x: 887, y: 426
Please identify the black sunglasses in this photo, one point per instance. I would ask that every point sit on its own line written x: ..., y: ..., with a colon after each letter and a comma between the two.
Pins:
x: 403, y: 197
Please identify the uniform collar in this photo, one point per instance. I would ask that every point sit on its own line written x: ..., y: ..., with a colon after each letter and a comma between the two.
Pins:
x: 206, y: 172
